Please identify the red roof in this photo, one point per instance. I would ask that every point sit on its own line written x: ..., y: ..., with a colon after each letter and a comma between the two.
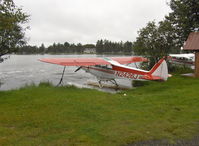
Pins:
x: 192, y: 42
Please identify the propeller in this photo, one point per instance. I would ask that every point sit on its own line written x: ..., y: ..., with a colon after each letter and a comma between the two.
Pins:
x: 78, y: 68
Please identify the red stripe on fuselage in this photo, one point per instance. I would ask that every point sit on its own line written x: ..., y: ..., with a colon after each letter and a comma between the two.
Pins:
x: 123, y: 69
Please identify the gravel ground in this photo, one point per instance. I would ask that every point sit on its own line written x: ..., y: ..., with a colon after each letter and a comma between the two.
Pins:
x: 192, y: 142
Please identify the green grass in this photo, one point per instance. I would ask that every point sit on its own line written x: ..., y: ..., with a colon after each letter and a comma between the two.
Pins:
x: 47, y: 115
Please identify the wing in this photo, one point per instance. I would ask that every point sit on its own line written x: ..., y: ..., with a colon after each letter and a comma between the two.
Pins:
x: 75, y: 61
x: 127, y: 60
x: 91, y: 61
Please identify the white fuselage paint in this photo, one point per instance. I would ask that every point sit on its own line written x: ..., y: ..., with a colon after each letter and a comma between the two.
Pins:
x: 104, y: 73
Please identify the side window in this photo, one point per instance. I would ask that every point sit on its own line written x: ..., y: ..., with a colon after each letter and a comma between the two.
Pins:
x: 109, y: 66
x: 104, y: 66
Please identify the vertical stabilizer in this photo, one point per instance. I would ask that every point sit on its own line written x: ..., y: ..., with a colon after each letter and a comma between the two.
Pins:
x: 160, y: 69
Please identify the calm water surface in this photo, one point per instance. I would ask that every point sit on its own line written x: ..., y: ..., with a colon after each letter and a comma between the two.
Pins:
x: 21, y: 70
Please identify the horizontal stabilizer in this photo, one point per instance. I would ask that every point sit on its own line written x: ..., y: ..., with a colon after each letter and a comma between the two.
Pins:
x: 147, y: 77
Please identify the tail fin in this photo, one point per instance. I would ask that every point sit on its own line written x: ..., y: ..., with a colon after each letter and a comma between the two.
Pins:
x: 160, y: 69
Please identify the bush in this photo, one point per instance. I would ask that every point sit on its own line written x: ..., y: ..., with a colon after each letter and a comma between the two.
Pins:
x: 179, y: 69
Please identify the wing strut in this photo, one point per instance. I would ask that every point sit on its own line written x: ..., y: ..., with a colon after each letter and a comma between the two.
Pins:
x: 136, y: 65
x: 61, y: 80
x: 114, y: 82
x: 78, y: 68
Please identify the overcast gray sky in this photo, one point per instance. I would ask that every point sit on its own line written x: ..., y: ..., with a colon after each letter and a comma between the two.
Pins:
x: 87, y: 21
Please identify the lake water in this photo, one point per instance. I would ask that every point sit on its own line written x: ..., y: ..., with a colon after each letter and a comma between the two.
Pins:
x: 21, y: 70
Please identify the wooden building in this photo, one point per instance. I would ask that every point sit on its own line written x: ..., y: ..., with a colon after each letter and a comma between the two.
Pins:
x: 192, y: 44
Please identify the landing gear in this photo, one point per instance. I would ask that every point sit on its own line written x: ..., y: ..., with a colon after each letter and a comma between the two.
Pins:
x: 100, y: 83
x: 113, y: 81
x: 61, y: 80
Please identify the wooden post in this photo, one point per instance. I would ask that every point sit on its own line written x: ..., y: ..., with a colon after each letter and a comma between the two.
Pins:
x: 197, y: 64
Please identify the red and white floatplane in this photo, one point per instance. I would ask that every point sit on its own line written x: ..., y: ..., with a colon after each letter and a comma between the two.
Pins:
x: 111, y: 68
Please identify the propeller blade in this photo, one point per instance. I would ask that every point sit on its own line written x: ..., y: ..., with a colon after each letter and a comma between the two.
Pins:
x: 78, y: 69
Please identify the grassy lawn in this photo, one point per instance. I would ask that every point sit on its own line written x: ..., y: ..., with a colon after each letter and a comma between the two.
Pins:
x: 47, y: 115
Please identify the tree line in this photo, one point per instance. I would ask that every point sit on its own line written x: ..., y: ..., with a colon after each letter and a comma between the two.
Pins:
x: 106, y: 46
x: 55, y: 48
x: 101, y: 47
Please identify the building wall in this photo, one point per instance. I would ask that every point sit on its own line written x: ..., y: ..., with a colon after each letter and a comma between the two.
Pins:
x: 197, y: 64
